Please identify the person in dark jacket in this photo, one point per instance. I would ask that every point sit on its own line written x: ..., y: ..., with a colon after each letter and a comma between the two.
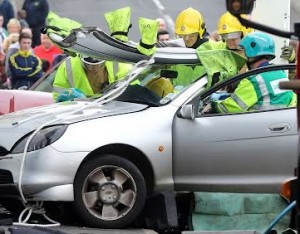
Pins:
x: 37, y: 11
x: 25, y: 67
x: 7, y: 10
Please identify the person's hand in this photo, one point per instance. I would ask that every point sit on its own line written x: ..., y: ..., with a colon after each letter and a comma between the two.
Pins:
x: 288, y: 53
x: 70, y: 94
x: 218, y: 96
x: 206, y: 109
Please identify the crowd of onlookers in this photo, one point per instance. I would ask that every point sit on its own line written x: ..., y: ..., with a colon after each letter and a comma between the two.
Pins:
x: 25, y: 53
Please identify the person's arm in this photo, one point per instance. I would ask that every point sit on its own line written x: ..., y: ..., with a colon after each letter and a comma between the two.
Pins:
x: 10, y: 52
x: 240, y: 100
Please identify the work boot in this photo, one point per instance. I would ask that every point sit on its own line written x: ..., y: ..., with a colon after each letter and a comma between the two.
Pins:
x: 119, y: 23
x: 148, y: 30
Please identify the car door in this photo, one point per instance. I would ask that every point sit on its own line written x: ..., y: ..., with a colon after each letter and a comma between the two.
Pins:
x: 243, y: 152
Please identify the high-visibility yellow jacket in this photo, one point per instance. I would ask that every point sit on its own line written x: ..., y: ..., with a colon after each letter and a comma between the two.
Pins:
x: 71, y: 74
x: 260, y: 92
x: 188, y: 74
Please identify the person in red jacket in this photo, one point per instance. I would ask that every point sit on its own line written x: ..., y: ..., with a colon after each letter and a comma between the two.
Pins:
x: 47, y: 50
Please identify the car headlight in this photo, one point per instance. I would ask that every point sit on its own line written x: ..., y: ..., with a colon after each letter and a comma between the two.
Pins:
x: 43, y: 138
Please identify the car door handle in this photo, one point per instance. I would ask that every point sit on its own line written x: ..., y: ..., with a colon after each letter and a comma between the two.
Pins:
x: 279, y: 127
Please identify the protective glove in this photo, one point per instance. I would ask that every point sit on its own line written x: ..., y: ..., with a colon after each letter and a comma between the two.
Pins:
x: 219, y: 96
x: 148, y: 30
x: 119, y: 23
x: 288, y: 53
x: 69, y: 94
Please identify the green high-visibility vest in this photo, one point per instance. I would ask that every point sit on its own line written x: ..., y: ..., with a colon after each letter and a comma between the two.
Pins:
x: 260, y: 92
x: 117, y: 71
x: 188, y: 74
x: 70, y: 74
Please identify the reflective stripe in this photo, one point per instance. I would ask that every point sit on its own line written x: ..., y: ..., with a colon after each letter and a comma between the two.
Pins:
x: 268, y: 106
x: 263, y: 89
x: 239, y: 101
x: 115, y: 70
x: 222, y: 108
x: 69, y: 72
x: 58, y: 89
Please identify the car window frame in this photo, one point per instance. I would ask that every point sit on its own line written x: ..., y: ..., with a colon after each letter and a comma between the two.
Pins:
x: 45, y: 76
x: 196, y: 101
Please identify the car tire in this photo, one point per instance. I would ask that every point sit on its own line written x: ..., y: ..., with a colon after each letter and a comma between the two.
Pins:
x: 109, y: 192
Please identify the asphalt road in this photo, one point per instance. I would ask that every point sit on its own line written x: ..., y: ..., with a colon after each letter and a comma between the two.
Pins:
x: 91, y: 12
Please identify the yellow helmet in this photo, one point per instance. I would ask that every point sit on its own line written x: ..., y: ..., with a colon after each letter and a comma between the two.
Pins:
x: 189, y: 21
x: 229, y: 24
x: 161, y: 86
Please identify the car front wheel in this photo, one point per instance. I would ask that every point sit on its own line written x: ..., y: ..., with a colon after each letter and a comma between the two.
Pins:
x: 110, y: 192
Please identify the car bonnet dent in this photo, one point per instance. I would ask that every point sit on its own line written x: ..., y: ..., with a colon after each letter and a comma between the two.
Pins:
x: 65, y: 113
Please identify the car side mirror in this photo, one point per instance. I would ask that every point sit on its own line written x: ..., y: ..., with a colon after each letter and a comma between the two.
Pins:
x: 237, y: 7
x: 188, y: 111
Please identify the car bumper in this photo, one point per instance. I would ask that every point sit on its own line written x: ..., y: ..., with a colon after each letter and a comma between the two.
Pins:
x: 48, y: 174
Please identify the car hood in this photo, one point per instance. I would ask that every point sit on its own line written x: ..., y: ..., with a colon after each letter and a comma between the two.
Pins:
x: 15, y: 125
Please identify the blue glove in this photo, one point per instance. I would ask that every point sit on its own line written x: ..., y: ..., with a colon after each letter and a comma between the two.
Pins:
x: 219, y: 96
x: 69, y: 94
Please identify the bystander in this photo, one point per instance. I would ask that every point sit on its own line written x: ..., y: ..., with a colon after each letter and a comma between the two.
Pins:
x: 47, y: 50
x: 37, y: 11
x: 163, y: 35
x: 25, y: 67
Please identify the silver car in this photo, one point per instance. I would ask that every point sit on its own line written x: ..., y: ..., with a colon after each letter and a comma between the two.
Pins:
x: 107, y: 155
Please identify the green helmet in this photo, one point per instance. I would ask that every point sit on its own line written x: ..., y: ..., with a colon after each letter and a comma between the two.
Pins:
x: 258, y: 44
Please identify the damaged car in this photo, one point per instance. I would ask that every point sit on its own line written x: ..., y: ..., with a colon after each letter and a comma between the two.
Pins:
x: 144, y: 135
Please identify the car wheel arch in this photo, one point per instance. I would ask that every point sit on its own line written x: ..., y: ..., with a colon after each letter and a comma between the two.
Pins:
x: 130, y: 153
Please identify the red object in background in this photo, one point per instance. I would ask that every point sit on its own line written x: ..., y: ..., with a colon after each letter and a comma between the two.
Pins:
x: 14, y: 100
x: 49, y: 55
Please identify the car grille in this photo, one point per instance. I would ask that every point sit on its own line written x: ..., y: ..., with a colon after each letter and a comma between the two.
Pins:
x: 6, y: 177
x: 3, y: 152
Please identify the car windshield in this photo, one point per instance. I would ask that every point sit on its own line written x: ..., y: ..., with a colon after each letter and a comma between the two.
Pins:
x: 154, y: 85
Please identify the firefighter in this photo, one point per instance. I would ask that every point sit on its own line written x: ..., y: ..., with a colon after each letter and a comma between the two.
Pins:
x: 232, y: 31
x: 119, y: 24
x: 86, y: 74
x: 258, y: 92
x: 190, y: 26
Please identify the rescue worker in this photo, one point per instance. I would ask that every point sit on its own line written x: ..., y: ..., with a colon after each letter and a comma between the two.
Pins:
x: 86, y: 74
x: 258, y: 92
x: 105, y: 72
x: 118, y: 22
x: 190, y: 26
x: 232, y: 31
